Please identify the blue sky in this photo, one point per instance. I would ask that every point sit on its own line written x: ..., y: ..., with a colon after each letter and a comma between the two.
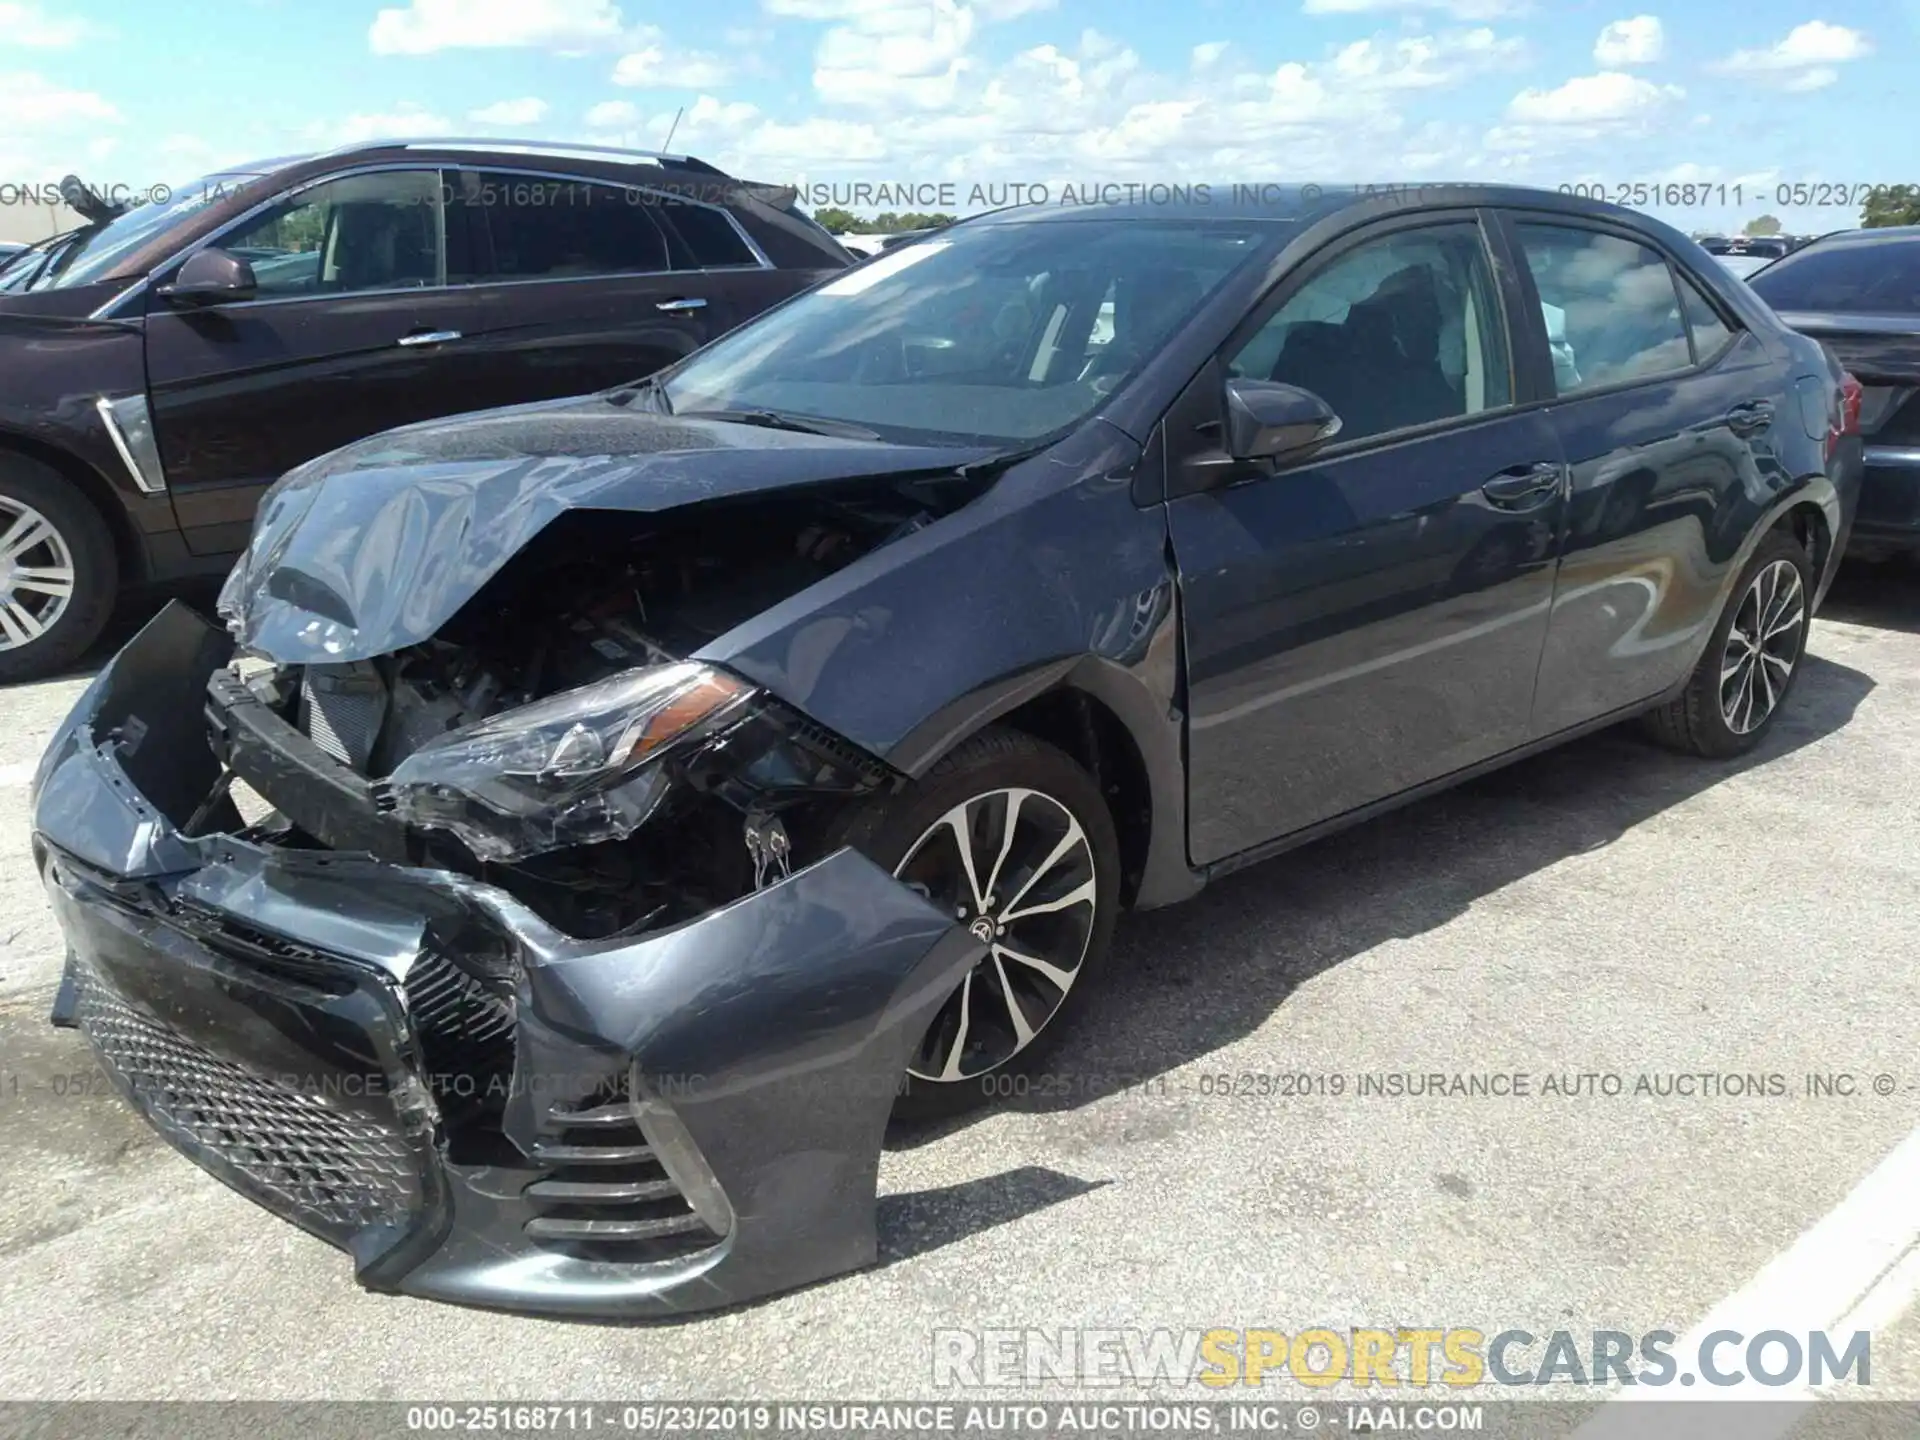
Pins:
x: 996, y: 92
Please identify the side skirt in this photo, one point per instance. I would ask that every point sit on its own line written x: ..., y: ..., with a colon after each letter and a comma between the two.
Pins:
x: 1280, y: 845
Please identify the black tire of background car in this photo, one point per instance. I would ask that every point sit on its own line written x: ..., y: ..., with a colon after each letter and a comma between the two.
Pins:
x: 885, y: 829
x: 1692, y: 722
x: 96, y: 575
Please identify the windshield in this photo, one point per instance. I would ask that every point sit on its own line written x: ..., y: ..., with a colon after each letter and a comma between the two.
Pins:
x: 1001, y: 333
x: 94, y: 250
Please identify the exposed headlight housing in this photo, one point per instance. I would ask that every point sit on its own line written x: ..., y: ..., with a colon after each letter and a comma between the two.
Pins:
x: 578, y: 768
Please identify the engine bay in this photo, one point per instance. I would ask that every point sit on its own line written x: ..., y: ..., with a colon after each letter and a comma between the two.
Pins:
x: 593, y: 596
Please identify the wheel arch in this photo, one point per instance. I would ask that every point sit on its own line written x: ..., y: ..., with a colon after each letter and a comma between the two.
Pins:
x: 1106, y: 718
x: 129, y: 553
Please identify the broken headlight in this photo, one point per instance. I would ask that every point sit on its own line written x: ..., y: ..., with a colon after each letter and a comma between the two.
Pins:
x: 576, y: 768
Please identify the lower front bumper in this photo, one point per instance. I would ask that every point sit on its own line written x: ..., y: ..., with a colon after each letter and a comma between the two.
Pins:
x: 415, y: 1067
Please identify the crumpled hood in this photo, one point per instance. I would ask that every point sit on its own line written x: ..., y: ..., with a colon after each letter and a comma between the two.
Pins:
x: 375, y: 546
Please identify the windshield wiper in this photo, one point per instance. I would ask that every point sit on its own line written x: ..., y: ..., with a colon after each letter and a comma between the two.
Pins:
x: 652, y: 387
x: 786, y: 420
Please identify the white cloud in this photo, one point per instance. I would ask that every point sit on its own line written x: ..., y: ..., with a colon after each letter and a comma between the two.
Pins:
x: 1638, y: 41
x: 28, y: 100
x: 528, y: 111
x: 30, y: 25
x: 1815, y: 43
x: 1458, y: 9
x: 1592, y: 99
x: 403, y: 122
x: 428, y: 25
x: 1422, y: 61
x: 653, y: 61
x: 889, y: 53
x: 612, y: 114
x: 1010, y: 9
x: 1206, y: 56
x: 892, y: 54
x: 1817, y: 78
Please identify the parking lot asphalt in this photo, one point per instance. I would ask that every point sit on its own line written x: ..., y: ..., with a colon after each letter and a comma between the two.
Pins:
x: 1604, y: 910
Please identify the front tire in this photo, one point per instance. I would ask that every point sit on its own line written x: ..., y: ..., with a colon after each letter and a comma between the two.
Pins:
x: 58, y: 577
x: 1742, y: 681
x: 1012, y: 839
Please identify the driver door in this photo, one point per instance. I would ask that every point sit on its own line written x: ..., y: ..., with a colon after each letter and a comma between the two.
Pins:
x: 1371, y: 618
x: 333, y: 346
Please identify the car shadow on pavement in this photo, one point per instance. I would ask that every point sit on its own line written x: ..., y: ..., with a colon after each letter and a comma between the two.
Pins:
x: 915, y: 1222
x: 1187, y: 980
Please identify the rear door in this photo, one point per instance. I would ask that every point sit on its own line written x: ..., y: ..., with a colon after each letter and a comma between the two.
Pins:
x: 1371, y: 618
x: 340, y: 340
x: 584, y: 284
x: 1666, y: 411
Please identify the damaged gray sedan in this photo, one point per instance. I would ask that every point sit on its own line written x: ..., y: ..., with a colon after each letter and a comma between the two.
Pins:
x: 594, y: 821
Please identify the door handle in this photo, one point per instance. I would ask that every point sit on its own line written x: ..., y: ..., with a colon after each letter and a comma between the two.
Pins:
x: 428, y: 337
x: 675, y: 307
x: 1750, y: 418
x: 1524, y: 487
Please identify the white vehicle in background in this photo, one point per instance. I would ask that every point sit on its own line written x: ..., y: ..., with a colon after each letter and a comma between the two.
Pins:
x: 1744, y: 265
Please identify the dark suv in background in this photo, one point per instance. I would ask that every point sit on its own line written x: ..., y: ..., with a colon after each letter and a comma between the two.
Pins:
x: 163, y: 364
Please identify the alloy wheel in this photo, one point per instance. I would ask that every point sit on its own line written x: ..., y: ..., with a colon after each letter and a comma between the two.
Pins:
x: 36, y: 574
x: 1015, y: 867
x: 1763, y: 646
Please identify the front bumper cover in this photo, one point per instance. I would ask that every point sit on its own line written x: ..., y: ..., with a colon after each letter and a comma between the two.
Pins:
x: 417, y: 1068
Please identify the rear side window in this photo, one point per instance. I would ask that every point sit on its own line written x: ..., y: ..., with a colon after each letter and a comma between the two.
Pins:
x: 540, y: 228
x: 1710, y: 332
x: 1863, y: 273
x: 708, y: 235
x: 1611, y: 310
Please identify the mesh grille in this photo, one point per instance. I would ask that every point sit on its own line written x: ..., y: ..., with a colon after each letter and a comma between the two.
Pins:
x: 337, y: 1173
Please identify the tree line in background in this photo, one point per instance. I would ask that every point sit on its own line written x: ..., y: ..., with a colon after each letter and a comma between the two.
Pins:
x: 1893, y: 205
x: 836, y: 221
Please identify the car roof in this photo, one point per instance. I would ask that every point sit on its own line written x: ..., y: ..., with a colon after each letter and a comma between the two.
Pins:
x: 1864, y: 233
x: 1296, y: 203
x: 592, y: 162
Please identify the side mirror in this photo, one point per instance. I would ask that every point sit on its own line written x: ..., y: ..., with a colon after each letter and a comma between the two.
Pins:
x: 1270, y: 421
x: 208, y: 277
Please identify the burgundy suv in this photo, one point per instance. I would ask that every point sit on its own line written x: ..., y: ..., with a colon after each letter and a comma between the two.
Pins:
x: 163, y: 364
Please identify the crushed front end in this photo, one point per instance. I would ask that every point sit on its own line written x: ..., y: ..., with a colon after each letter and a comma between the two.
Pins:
x: 509, y: 962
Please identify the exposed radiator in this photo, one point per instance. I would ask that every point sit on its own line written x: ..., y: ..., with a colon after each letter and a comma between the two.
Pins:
x: 342, y: 708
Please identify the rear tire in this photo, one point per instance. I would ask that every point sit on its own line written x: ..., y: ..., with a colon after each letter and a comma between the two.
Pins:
x: 1043, y: 839
x: 58, y: 572
x: 1748, y: 668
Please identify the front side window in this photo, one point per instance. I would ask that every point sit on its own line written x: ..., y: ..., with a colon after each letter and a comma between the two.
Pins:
x: 377, y: 231
x: 1610, y: 306
x: 1001, y: 332
x: 1398, y: 332
x: 543, y: 228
